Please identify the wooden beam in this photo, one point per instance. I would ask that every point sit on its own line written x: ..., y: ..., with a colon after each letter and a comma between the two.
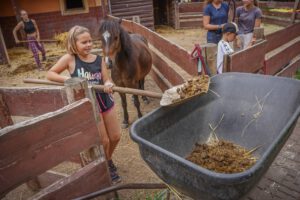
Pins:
x: 296, y: 6
x: 281, y: 57
x: 258, y: 33
x: 169, y: 73
x: 32, y: 101
x: 77, y: 88
x: 282, y: 36
x: 171, y: 50
x: 49, y: 177
x: 31, y: 147
x: 159, y: 79
x: 177, y: 23
x: 209, y: 53
x: 291, y: 69
x: 4, y: 59
x: 5, y: 119
x: 103, y: 6
x: 90, y: 178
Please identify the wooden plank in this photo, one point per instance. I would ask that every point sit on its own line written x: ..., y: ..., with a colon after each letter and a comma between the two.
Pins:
x: 248, y: 60
x: 90, y: 178
x: 164, y: 68
x: 291, y: 69
x: 49, y: 177
x: 177, y: 24
x: 296, y: 6
x: 159, y: 79
x: 5, y: 119
x: 282, y: 56
x: 32, y: 101
x: 281, y: 37
x: 191, y: 7
x: 45, y: 141
x: 171, y: 50
x: 4, y: 59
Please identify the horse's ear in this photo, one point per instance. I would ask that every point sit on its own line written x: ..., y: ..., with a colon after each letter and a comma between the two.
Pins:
x: 120, y: 20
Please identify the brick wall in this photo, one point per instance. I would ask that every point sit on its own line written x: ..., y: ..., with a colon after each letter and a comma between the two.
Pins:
x: 53, y: 22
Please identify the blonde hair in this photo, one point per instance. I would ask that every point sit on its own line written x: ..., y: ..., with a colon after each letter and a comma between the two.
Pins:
x: 72, y: 38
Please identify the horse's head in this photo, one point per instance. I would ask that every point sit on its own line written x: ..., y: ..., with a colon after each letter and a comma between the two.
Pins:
x: 110, y: 33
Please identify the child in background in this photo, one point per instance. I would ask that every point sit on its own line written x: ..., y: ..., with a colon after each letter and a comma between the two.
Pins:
x: 229, y: 35
x: 81, y: 63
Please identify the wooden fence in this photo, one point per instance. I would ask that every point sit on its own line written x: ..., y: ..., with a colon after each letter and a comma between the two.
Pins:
x: 54, y: 135
x: 278, y: 54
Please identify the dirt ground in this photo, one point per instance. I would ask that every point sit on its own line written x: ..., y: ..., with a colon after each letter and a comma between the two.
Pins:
x: 127, y: 158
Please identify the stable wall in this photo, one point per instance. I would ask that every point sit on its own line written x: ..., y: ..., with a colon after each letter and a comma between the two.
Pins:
x: 49, y: 18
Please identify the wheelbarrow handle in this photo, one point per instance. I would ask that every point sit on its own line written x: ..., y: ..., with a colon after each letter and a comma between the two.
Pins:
x: 101, y: 87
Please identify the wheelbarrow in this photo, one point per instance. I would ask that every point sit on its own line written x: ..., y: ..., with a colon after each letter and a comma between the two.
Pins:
x: 256, y: 110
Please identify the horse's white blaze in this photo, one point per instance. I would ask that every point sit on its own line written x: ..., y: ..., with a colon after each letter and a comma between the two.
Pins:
x: 106, y: 36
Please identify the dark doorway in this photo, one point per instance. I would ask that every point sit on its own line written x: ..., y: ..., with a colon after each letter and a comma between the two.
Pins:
x: 161, y: 12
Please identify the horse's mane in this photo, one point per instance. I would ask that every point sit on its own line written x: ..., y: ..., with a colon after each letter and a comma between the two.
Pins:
x: 115, y: 28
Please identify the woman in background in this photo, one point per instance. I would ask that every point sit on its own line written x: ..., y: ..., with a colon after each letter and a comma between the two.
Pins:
x: 248, y: 17
x: 215, y: 16
x: 33, y: 37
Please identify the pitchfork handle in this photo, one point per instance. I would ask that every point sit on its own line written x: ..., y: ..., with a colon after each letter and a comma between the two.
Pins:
x: 101, y: 87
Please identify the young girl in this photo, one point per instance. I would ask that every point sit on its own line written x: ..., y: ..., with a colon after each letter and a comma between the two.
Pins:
x: 229, y: 34
x: 248, y: 17
x: 81, y: 63
x: 33, y: 36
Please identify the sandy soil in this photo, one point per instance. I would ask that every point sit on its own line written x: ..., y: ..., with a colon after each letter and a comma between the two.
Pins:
x: 127, y: 158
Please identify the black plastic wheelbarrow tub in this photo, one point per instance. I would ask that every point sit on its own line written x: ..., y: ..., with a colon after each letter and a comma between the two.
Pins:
x: 168, y: 134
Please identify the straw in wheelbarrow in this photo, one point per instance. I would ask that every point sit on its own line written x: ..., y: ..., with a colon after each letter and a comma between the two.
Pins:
x: 182, y: 93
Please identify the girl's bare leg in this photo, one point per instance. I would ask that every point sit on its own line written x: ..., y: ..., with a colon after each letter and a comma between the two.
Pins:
x: 104, y: 138
x: 113, y: 129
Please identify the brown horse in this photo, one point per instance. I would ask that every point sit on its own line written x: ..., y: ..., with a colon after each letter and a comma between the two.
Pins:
x: 131, y: 60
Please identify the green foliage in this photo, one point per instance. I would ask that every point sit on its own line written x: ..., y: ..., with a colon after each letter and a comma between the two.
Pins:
x: 297, y: 76
x: 157, y: 196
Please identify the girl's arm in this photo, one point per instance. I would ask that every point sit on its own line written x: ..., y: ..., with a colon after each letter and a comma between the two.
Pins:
x: 107, y: 81
x: 37, y: 30
x: 62, y: 64
x: 17, y: 27
x: 208, y: 26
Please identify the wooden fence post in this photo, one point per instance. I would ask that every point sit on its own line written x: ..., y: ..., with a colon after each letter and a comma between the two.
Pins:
x: 5, y: 119
x: 4, y: 59
x: 296, y: 6
x: 76, y: 89
x: 258, y: 33
x: 210, y: 54
x: 177, y: 23
x: 226, y: 63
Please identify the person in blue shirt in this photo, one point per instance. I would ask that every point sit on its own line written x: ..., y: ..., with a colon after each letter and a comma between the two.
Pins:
x: 214, y: 18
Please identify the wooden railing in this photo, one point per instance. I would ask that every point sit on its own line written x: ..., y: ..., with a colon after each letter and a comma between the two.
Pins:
x: 278, y: 54
x: 32, y: 147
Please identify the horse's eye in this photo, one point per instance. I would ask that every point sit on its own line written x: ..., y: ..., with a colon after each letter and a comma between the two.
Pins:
x: 116, y: 38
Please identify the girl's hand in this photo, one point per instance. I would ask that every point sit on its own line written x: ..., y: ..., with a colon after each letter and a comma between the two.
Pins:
x: 108, y: 87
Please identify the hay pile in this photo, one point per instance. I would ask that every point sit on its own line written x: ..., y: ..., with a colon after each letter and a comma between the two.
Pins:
x: 222, y: 156
x: 61, y: 39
